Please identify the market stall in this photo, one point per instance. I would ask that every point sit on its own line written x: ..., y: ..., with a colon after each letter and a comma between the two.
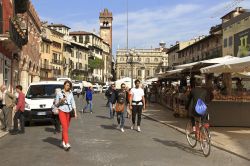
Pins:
x: 231, y: 103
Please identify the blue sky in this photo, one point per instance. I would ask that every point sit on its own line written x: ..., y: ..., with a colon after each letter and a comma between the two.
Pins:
x: 150, y: 21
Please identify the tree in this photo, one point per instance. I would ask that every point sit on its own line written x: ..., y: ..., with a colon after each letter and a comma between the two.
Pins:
x: 96, y: 63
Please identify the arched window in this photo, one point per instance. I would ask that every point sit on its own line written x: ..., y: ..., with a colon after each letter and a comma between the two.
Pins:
x: 122, y: 72
x: 139, y: 72
x: 80, y: 39
x: 156, y: 59
x: 74, y: 38
x: 147, y: 60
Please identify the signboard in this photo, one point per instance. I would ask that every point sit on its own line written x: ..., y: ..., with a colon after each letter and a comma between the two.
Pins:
x: 242, y: 43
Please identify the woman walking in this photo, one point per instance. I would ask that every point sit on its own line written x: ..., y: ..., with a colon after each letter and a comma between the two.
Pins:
x: 66, y: 104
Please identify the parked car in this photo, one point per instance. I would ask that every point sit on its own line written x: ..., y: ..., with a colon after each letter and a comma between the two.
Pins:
x: 97, y: 88
x: 39, y: 100
x: 105, y: 88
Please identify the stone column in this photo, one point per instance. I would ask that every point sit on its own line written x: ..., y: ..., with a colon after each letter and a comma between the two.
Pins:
x: 227, y: 81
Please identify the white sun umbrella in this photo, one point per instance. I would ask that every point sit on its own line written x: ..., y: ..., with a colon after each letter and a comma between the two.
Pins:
x: 238, y: 65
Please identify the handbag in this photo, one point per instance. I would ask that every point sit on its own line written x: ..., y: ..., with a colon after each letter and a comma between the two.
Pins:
x: 72, y: 113
x: 119, y: 107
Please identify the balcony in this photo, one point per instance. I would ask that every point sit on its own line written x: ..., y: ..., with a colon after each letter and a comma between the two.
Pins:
x: 46, y: 67
x: 12, y: 33
x: 57, y: 62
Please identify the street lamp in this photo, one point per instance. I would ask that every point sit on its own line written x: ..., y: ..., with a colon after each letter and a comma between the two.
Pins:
x: 130, y: 60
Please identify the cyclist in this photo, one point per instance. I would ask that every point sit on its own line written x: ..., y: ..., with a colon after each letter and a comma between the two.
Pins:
x: 198, y: 92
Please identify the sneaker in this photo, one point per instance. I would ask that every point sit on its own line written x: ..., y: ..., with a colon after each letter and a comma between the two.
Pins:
x: 138, y: 129
x: 63, y: 144
x: 91, y: 112
x: 132, y: 127
x: 122, y: 130
x: 118, y: 127
x: 67, y: 147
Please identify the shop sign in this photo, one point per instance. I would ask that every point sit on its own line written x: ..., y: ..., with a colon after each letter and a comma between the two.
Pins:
x: 242, y: 43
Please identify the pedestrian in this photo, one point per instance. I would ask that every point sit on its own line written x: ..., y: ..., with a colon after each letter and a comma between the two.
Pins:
x: 120, y: 106
x: 137, y: 103
x: 8, y: 102
x: 89, y: 97
x: 129, y: 111
x: 83, y: 91
x: 67, y: 110
x: 111, y: 99
x: 197, y: 93
x: 55, y: 110
x: 19, y: 112
x: 78, y: 92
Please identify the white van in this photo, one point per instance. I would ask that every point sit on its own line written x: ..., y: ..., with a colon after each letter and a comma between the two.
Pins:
x: 39, y: 100
x: 63, y: 79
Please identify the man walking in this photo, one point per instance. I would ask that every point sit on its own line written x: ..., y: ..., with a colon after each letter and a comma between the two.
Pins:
x: 111, y: 99
x: 8, y: 102
x: 120, y: 107
x: 137, y: 103
x: 89, y: 97
x: 19, y: 111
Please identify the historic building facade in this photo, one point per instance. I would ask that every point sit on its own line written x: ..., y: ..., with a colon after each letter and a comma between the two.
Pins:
x: 146, y: 63
x: 207, y: 47
x: 236, y: 32
x: 13, y: 36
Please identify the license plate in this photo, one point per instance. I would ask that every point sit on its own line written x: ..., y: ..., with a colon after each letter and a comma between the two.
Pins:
x: 41, y: 113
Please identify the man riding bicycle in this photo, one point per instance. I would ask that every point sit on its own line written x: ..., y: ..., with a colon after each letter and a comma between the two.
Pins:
x: 197, y: 95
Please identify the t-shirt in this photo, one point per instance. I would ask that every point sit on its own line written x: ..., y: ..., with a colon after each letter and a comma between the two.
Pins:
x: 137, y: 95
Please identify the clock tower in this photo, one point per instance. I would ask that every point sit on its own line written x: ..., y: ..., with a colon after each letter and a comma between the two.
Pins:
x: 106, y: 19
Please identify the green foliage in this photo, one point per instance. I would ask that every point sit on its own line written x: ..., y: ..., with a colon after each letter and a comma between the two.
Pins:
x: 96, y: 63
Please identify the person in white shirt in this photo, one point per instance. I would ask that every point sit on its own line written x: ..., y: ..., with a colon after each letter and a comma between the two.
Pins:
x: 136, y: 104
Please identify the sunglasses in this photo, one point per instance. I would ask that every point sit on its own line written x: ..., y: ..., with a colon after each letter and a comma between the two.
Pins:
x: 123, y: 87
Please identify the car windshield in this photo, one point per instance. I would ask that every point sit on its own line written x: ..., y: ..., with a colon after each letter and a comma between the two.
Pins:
x: 42, y: 91
x: 76, y: 87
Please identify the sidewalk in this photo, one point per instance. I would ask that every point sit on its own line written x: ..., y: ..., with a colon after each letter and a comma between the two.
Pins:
x: 234, y: 140
x: 2, y: 134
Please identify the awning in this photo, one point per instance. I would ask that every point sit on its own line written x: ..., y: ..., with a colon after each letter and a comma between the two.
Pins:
x: 235, y: 65
x: 209, y: 61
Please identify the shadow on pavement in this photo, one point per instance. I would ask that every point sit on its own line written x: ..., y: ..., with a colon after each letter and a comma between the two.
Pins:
x: 53, y: 141
x: 179, y: 145
x: 103, y: 117
x: 48, y: 129
x: 109, y: 127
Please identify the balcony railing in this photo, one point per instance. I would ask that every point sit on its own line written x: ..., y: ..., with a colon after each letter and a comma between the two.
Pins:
x: 56, y: 61
x: 46, y: 67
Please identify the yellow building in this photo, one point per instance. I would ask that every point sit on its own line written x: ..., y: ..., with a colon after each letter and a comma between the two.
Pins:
x: 236, y: 32
x: 46, y: 58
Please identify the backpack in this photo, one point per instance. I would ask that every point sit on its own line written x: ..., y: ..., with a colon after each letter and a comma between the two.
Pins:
x: 200, y: 107
x: 121, y: 97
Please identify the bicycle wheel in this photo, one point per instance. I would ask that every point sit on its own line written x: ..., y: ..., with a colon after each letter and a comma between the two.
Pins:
x: 205, y: 141
x: 192, y: 141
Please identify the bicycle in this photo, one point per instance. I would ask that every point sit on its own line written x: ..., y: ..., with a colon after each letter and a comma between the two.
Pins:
x: 201, y: 134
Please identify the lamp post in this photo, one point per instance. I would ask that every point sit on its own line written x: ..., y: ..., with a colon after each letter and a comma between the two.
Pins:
x: 130, y: 60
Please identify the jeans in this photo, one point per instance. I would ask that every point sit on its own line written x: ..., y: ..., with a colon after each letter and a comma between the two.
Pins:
x: 111, y: 111
x: 121, y: 116
x: 89, y: 104
x: 56, y: 123
x: 19, y: 115
x: 136, y: 110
